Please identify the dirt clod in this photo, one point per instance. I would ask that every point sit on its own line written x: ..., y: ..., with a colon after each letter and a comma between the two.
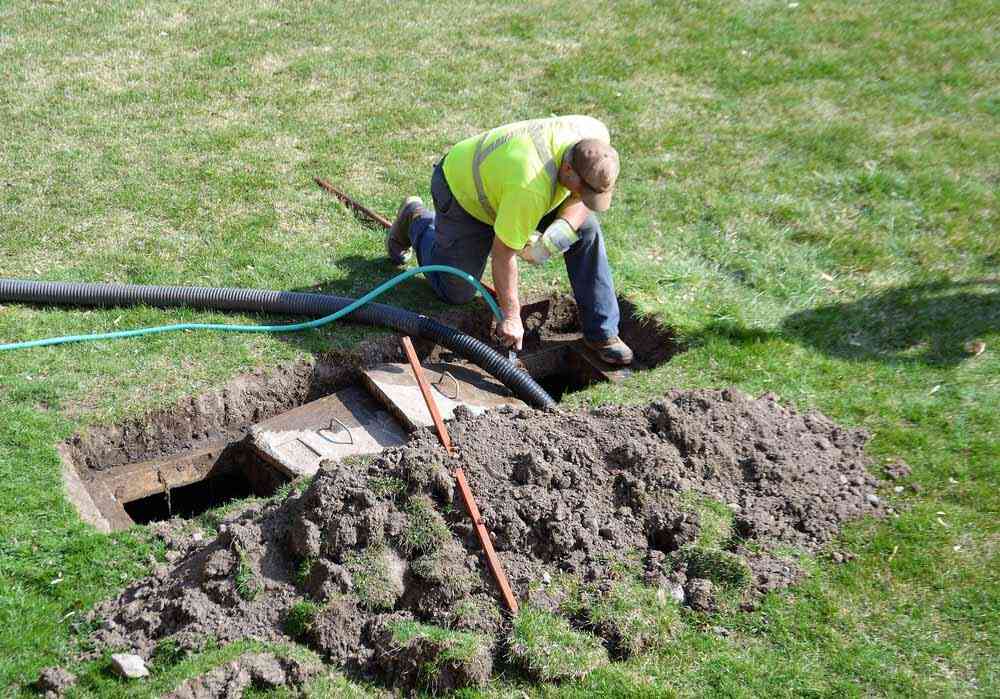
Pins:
x: 53, y: 682
x: 129, y: 666
x: 700, y: 594
x: 259, y: 670
x: 699, y: 496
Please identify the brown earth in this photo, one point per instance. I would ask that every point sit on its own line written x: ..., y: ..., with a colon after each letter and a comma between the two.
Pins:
x: 562, y: 492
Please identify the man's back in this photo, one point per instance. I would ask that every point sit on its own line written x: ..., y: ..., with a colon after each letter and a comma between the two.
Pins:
x: 507, y: 176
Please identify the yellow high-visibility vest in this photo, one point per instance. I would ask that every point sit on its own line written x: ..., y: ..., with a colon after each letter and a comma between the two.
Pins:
x: 507, y: 177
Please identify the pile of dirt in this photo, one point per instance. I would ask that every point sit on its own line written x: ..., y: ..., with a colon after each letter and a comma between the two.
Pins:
x: 701, y: 495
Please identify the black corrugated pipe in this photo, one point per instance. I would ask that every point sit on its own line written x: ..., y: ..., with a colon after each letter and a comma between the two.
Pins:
x: 286, y: 303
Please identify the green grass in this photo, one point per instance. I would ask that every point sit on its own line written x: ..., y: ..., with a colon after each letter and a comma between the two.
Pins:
x: 635, y: 617
x: 547, y: 648
x: 426, y: 531
x: 453, y: 651
x: 300, y: 618
x: 809, y: 196
x: 245, y: 579
x: 715, y: 520
x: 721, y: 567
x: 373, y: 580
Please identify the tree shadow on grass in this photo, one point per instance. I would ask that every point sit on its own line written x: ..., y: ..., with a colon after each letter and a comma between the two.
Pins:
x: 926, y: 324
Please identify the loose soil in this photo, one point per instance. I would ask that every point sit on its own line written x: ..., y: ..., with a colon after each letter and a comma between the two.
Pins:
x: 565, y: 493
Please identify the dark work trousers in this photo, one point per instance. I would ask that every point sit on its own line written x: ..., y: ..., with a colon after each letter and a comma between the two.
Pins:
x: 450, y: 235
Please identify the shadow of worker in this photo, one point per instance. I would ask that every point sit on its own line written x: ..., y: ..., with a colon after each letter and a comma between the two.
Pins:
x: 928, y: 324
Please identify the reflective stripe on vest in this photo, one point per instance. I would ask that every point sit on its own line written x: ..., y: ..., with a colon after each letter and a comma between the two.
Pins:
x: 541, y: 147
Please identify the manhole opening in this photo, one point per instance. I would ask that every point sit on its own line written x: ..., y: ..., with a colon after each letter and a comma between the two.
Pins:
x: 236, y: 475
x: 558, y: 385
x: 566, y: 369
x: 192, y: 500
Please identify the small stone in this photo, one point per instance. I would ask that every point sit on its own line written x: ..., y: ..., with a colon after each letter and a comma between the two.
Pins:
x: 197, y: 537
x: 129, y: 666
x: 734, y: 506
x: 677, y: 592
x: 872, y: 499
x: 546, y: 578
x: 837, y: 557
x: 720, y: 631
x: 898, y: 489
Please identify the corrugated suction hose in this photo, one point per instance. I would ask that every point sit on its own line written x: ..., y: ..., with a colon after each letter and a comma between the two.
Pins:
x: 279, y: 302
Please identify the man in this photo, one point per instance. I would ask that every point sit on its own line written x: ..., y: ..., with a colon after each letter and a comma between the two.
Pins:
x: 493, y: 191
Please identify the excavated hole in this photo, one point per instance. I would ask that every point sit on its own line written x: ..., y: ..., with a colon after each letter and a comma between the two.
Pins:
x: 190, y: 500
x: 197, y: 449
x: 251, y: 478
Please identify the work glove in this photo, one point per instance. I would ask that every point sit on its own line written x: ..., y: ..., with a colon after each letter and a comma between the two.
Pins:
x: 556, y: 240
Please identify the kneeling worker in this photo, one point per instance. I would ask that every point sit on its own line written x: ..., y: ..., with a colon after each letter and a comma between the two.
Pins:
x: 492, y: 192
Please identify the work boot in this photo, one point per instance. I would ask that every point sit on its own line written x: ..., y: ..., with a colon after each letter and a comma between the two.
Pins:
x: 611, y: 351
x: 397, y: 242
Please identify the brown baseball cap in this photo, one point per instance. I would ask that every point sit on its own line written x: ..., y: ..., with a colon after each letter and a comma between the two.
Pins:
x: 596, y: 162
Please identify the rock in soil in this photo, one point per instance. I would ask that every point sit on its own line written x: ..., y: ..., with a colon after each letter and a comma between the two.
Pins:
x: 700, y: 594
x: 129, y: 666
x: 585, y: 494
x: 54, y: 681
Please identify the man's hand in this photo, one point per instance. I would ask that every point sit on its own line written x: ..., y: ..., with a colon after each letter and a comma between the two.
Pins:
x: 511, y: 332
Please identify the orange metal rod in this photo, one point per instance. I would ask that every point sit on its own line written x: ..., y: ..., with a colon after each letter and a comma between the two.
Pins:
x: 356, y: 206
x: 425, y: 389
x: 492, y: 560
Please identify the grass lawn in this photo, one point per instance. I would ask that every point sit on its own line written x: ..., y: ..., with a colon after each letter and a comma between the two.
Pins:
x: 809, y: 195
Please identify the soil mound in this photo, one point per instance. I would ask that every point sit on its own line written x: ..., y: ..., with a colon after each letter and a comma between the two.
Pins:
x: 694, y: 499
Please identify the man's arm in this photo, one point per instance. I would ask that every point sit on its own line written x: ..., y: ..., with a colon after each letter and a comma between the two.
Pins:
x: 575, y: 212
x: 504, y: 265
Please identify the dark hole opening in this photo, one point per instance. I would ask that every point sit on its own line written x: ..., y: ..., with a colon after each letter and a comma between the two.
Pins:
x: 192, y: 500
x: 559, y: 384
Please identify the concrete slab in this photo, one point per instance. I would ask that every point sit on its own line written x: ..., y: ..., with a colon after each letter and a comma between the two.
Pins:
x: 347, y: 423
x: 81, y: 498
x: 453, y: 383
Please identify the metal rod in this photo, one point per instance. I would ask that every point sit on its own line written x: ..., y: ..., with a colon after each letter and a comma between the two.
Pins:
x: 354, y: 205
x: 373, y: 216
x: 425, y: 389
x: 492, y: 560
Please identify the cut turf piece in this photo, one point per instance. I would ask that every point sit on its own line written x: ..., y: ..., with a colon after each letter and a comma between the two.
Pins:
x: 715, y: 520
x: 547, y: 648
x: 446, y: 569
x: 633, y: 617
x: 300, y: 617
x: 723, y: 568
x: 376, y: 573
x: 417, y: 655
x: 426, y: 531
